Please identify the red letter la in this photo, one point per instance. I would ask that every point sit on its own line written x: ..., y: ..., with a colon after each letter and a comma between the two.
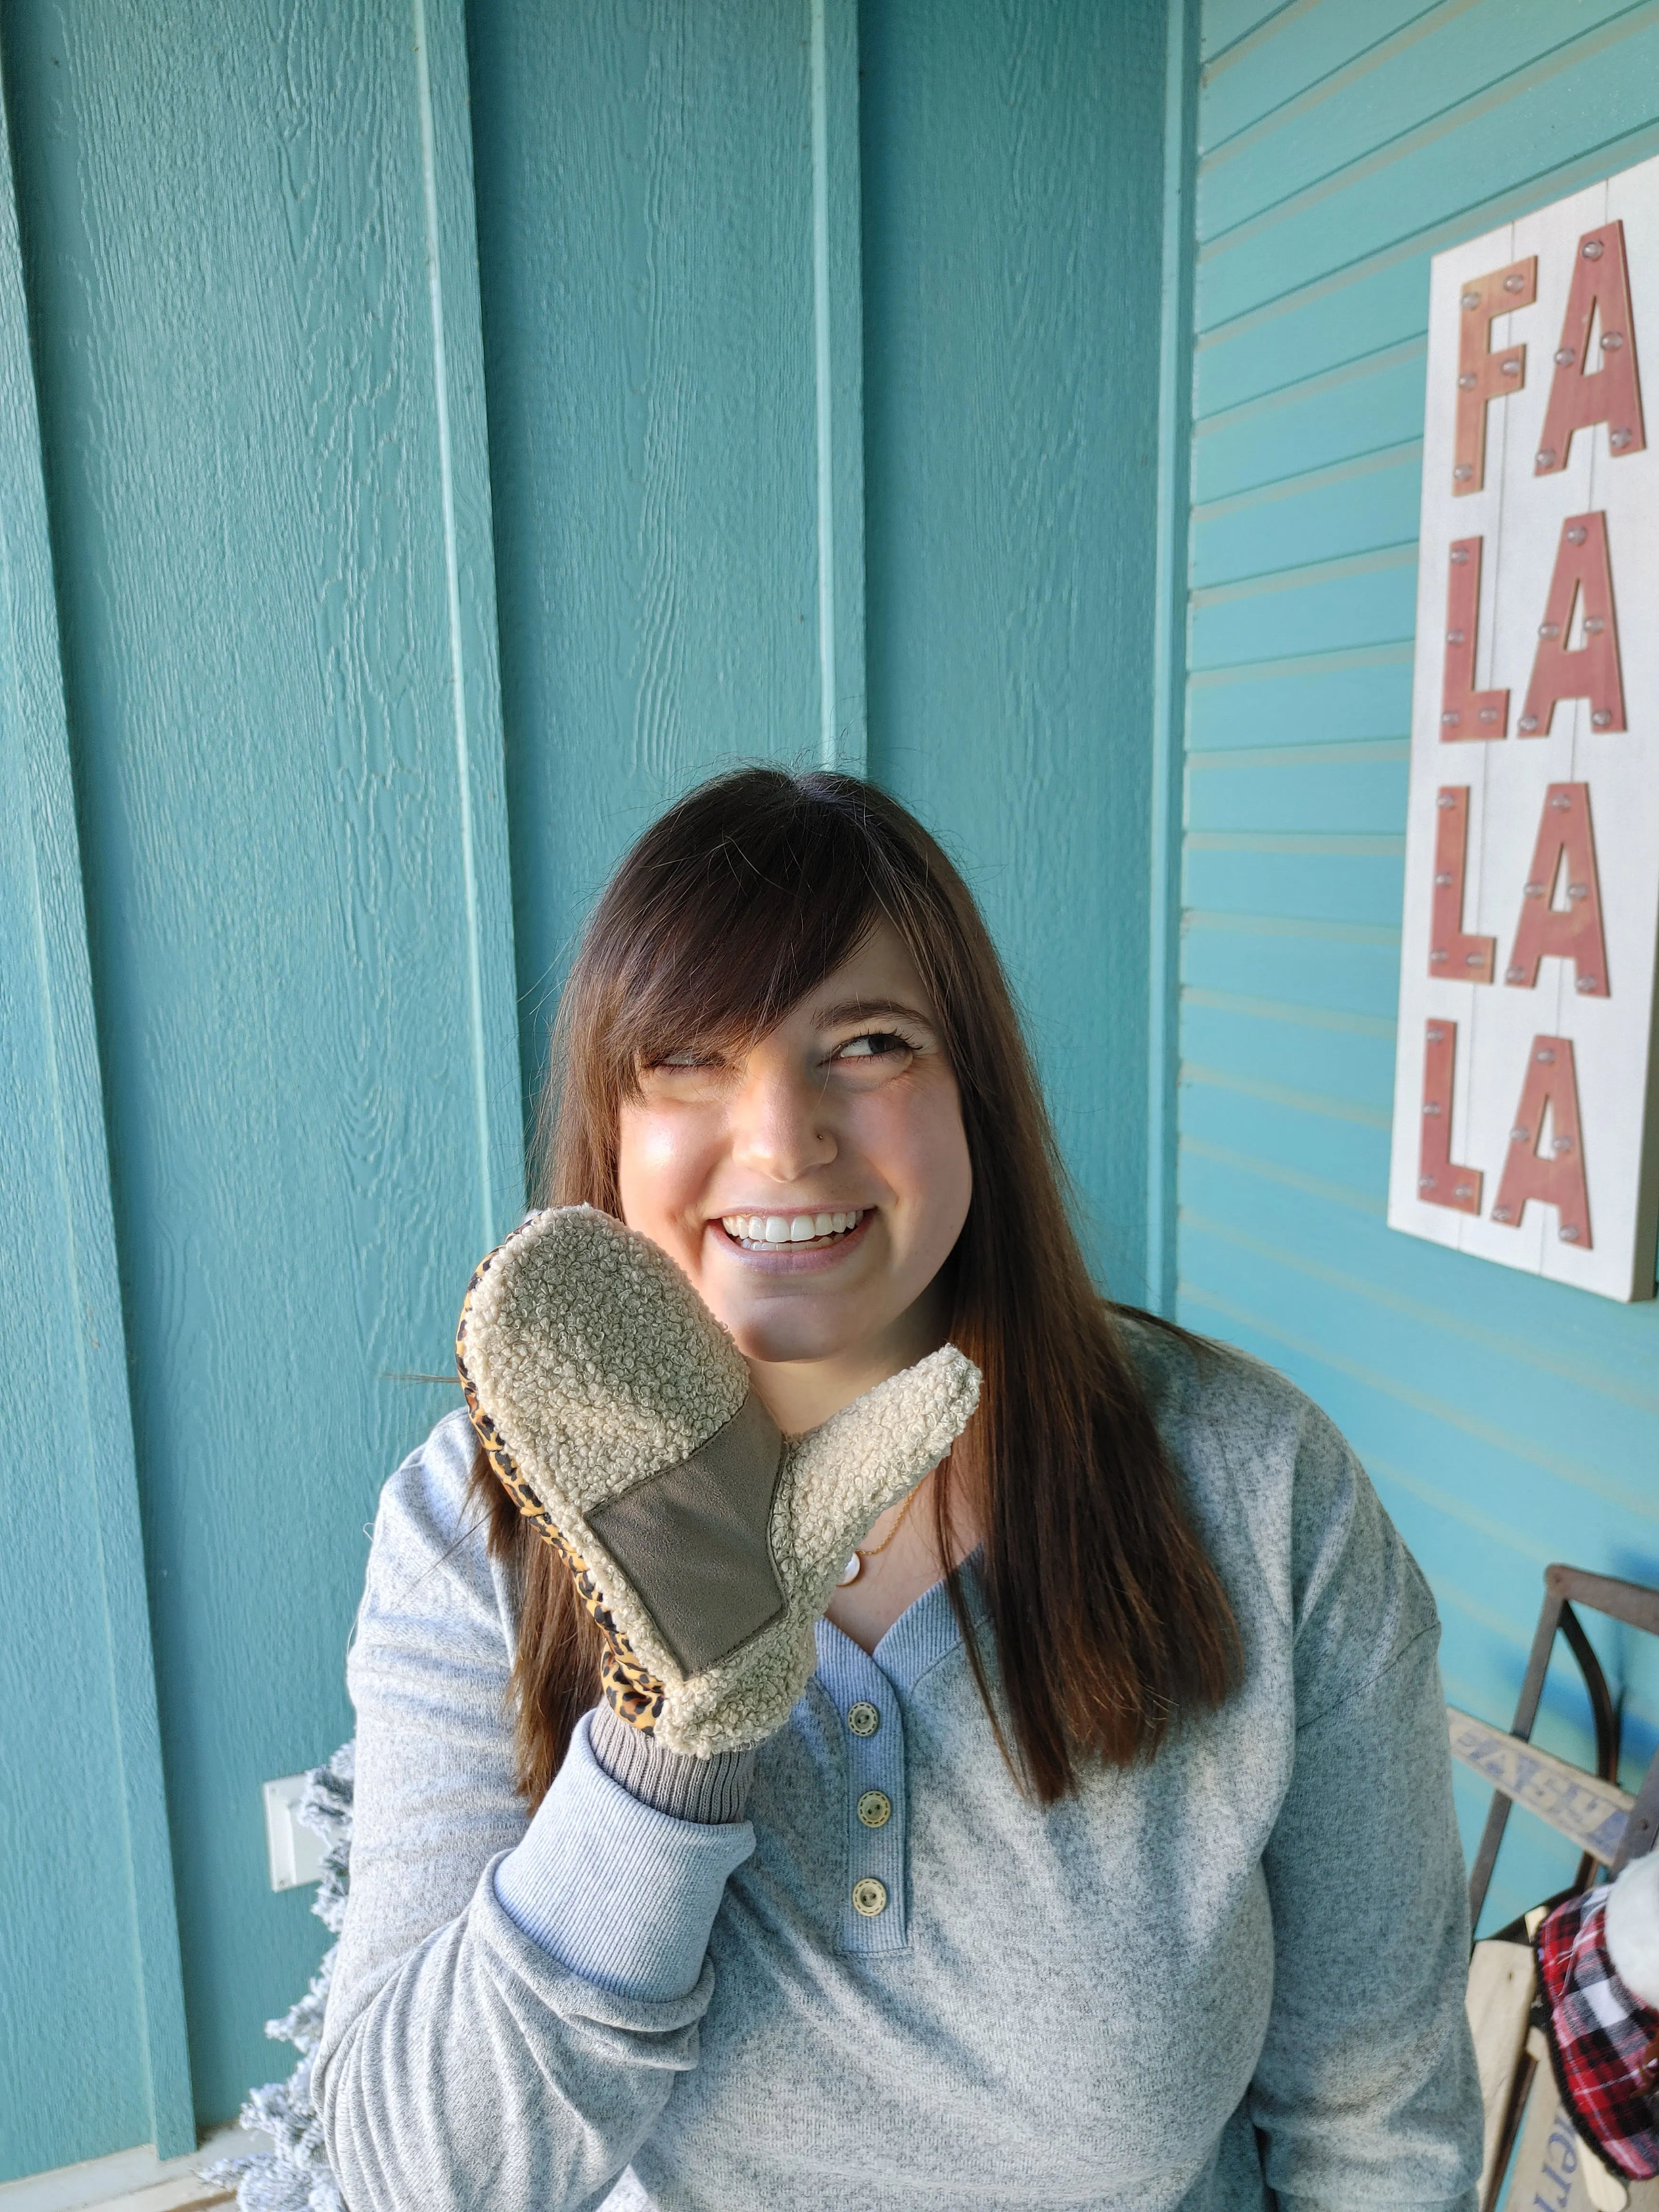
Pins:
x: 1555, y: 1178
x: 1582, y: 578
x: 1573, y: 932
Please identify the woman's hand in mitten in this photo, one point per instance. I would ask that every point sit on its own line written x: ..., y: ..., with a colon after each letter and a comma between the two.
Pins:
x: 620, y: 1415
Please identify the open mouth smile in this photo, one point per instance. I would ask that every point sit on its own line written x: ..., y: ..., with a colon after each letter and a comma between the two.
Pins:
x: 792, y: 1232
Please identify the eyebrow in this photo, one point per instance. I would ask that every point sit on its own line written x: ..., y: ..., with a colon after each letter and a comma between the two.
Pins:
x: 860, y: 1010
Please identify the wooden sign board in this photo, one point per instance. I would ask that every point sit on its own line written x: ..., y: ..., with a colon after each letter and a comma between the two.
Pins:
x: 1525, y: 1121
x: 1593, y: 1813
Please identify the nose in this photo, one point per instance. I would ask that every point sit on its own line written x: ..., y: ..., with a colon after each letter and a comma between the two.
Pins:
x: 782, y: 1124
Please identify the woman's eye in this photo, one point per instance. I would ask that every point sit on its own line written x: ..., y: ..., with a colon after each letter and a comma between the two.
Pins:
x: 874, y: 1045
x: 677, y: 1063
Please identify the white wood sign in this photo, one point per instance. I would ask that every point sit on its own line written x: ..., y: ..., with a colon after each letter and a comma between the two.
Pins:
x: 1525, y: 1121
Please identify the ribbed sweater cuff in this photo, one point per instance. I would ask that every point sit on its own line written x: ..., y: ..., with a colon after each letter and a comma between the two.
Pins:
x: 707, y: 1790
x: 622, y: 1894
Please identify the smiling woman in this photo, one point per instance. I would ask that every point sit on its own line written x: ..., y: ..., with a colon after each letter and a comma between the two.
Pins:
x: 779, y: 1782
x: 766, y: 925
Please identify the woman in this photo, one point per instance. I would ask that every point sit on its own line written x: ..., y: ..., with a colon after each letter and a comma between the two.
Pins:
x: 1162, y: 1903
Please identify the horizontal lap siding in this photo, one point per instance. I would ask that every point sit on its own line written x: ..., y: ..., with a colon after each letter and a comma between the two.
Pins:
x: 1506, y: 1421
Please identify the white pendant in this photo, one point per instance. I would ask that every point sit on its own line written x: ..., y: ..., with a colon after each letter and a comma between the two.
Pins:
x: 851, y: 1571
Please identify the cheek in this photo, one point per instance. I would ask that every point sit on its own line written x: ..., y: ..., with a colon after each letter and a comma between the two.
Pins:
x: 922, y: 1149
x: 659, y: 1166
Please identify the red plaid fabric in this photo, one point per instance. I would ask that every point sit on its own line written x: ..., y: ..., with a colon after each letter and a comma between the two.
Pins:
x: 1601, y: 2038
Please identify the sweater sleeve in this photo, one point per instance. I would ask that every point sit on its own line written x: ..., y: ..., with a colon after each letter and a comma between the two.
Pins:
x: 1365, y: 2094
x: 513, y: 2001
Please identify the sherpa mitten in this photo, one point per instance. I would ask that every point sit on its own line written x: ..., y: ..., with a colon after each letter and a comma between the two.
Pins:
x: 619, y: 1414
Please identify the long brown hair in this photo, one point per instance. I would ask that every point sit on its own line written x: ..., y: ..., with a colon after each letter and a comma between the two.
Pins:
x: 1108, y: 1619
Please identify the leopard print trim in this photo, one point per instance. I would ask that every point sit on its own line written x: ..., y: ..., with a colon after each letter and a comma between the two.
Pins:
x: 631, y: 1689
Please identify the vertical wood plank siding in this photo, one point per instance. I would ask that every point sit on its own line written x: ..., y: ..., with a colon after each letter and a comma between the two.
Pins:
x: 83, y: 1834
x: 271, y: 553
x: 1013, y: 184
x: 273, y: 262
x: 1507, y: 1422
x: 646, y: 245
x: 646, y: 197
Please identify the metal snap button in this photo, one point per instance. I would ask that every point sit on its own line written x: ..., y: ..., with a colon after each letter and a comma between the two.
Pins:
x: 875, y: 1809
x: 869, y: 1897
x: 863, y: 1720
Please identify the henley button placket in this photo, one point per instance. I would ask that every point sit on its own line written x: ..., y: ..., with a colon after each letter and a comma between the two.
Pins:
x: 873, y: 1916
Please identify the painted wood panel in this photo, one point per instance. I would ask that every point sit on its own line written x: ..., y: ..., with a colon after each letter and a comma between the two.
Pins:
x: 661, y: 554
x: 1507, y: 1422
x: 1316, y: 697
x: 246, y: 244
x: 267, y: 314
x: 1376, y: 304
x: 1333, y: 606
x: 1316, y: 515
x: 1263, y: 76
x: 1353, y: 970
x: 1358, y: 409
x: 92, y: 2032
x: 1227, y: 24
x: 1371, y: 101
x: 1307, y: 788
x: 1012, y: 309
x: 1497, y: 144
x: 646, y: 227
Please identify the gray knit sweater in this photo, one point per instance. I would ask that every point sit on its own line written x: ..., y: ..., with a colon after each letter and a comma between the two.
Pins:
x: 1230, y: 1976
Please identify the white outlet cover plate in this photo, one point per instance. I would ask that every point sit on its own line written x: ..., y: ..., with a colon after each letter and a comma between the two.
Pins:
x: 295, y: 1854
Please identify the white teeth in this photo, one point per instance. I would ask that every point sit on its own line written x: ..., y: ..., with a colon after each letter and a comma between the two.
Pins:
x: 774, y: 1228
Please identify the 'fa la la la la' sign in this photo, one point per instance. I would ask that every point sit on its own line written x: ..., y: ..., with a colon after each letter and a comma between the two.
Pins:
x: 1525, y: 1121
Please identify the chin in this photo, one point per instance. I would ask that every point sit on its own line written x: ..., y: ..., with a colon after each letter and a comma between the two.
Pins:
x: 774, y: 1338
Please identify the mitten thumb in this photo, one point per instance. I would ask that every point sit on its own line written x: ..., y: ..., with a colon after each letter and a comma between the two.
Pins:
x: 862, y: 1460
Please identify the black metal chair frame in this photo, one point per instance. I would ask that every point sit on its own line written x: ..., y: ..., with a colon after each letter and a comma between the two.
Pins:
x: 1636, y: 1606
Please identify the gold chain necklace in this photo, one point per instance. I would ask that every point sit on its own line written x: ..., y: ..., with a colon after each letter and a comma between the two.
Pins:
x: 862, y: 1552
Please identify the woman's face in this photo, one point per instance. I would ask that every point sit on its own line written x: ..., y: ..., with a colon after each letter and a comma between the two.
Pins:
x: 813, y: 1184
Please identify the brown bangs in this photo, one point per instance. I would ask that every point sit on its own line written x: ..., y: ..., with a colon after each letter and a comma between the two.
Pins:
x: 723, y: 940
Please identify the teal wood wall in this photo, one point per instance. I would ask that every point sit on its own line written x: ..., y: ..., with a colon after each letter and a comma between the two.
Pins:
x: 1507, y: 1421
x: 372, y: 347
x: 645, y: 192
x: 659, y: 374
x: 269, y: 518
x: 83, y: 1834
x: 1012, y: 184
